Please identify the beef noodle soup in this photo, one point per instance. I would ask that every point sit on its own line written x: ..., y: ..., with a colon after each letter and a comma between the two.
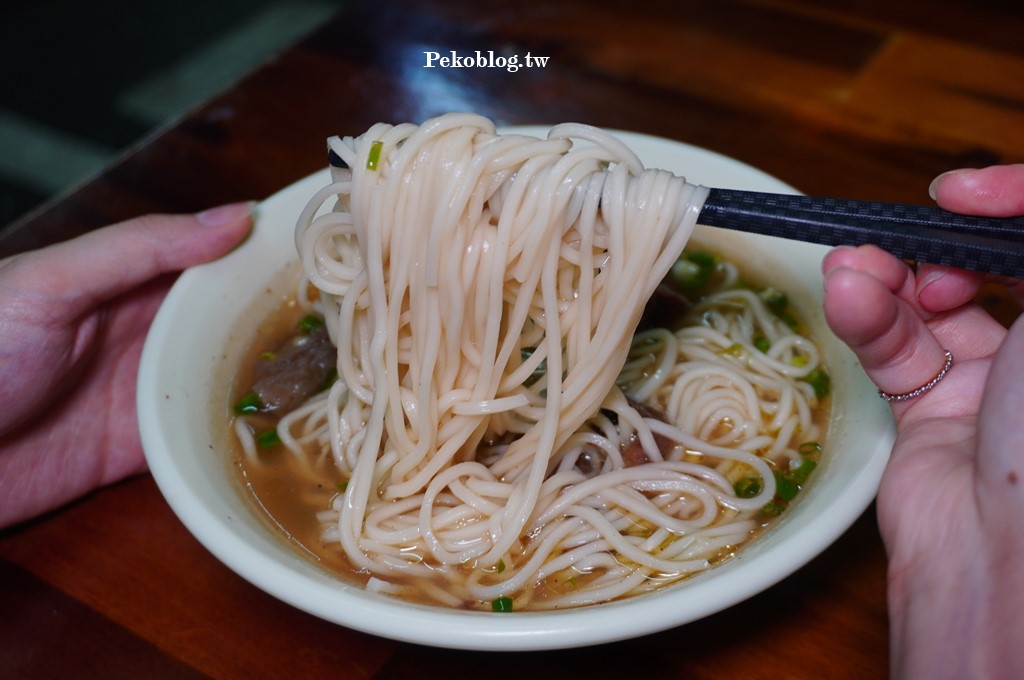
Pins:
x: 499, y: 386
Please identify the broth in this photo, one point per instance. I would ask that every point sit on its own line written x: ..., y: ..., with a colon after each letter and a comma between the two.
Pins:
x: 291, y: 493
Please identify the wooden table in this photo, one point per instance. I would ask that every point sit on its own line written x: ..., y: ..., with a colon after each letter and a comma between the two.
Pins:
x: 866, y: 102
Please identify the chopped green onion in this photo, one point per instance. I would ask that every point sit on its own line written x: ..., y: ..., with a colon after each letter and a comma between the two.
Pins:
x: 803, y: 471
x: 342, y: 486
x: 748, y: 487
x: 502, y: 604
x: 309, y: 322
x: 762, y: 343
x: 734, y: 350
x: 808, y: 449
x: 250, y: 403
x: 373, y: 158
x: 501, y: 566
x: 538, y: 372
x: 268, y: 438
x: 685, y: 273
x: 693, y: 270
x: 777, y: 301
x: 785, y: 488
x: 773, y: 508
x: 268, y: 355
x: 820, y: 381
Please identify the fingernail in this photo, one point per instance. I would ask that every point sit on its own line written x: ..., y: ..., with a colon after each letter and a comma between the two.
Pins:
x: 224, y: 214
x: 934, y: 186
x: 930, y: 277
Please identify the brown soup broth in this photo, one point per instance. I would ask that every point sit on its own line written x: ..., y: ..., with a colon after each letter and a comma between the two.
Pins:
x: 289, y: 494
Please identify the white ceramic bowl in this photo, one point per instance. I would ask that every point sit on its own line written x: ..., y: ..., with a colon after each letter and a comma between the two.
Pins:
x: 209, y: 315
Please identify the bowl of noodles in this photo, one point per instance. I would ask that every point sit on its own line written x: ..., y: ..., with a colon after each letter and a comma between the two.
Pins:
x: 498, y: 390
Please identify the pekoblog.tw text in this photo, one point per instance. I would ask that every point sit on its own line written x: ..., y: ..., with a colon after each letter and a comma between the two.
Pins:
x: 510, y: 63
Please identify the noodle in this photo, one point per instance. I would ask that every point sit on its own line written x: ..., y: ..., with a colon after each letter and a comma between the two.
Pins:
x: 483, y: 291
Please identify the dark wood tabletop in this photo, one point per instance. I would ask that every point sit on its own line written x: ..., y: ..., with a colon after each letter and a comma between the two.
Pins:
x: 870, y: 101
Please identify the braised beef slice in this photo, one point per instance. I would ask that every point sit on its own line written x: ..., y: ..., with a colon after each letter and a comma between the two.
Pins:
x: 298, y: 370
x: 665, y: 308
x: 633, y: 452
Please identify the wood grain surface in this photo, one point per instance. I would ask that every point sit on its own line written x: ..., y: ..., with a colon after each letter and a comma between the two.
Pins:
x: 868, y: 101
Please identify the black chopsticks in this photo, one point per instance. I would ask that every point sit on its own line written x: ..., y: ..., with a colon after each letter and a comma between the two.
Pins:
x: 915, y: 232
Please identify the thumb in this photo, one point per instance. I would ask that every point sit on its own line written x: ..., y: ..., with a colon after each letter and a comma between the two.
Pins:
x: 868, y: 305
x: 98, y: 266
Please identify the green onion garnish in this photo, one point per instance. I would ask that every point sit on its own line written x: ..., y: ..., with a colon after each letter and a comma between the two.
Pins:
x: 502, y: 604
x: 748, y: 487
x: 802, y: 471
x: 373, y: 158
x: 777, y: 301
x: 309, y: 322
x: 789, y: 483
x: 693, y: 270
x: 268, y: 438
x: 342, y: 486
x: 501, y: 566
x: 820, y: 381
x: 785, y: 488
x: 762, y: 344
x: 808, y: 449
x: 734, y: 350
x: 250, y: 403
x: 538, y: 372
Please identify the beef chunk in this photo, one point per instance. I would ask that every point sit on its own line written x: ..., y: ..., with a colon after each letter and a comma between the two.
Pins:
x: 633, y: 452
x: 665, y: 308
x: 300, y: 368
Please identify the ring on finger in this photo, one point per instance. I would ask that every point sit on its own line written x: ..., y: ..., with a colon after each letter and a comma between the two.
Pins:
x: 913, y: 394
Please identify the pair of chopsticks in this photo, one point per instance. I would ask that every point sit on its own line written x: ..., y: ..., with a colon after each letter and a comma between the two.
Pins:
x: 915, y: 232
